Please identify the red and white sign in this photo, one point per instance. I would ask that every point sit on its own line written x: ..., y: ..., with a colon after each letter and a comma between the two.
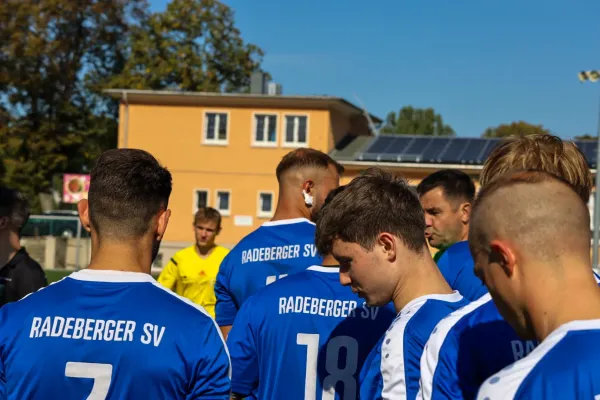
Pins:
x: 75, y: 187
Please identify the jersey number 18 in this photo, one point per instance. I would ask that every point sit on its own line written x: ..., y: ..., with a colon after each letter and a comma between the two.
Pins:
x: 334, y: 373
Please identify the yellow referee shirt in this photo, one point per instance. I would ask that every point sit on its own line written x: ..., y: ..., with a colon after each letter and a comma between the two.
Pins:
x: 193, y: 277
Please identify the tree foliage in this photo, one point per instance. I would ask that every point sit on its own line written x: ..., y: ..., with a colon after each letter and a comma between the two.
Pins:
x: 194, y: 46
x: 56, y: 57
x: 515, y: 129
x: 586, y: 136
x: 417, y: 121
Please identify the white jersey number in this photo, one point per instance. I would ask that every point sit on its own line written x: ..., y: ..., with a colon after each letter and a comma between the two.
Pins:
x: 273, y: 278
x: 335, y: 374
x: 100, y: 373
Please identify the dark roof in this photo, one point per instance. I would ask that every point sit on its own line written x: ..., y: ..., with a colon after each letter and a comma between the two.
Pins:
x: 169, y: 97
x: 418, y: 150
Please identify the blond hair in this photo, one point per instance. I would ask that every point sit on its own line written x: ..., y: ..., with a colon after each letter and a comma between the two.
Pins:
x: 547, y: 153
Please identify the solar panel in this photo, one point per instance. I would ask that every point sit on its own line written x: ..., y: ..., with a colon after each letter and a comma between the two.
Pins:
x: 432, y: 152
x: 380, y: 144
x: 491, y: 145
x: 452, y: 153
x: 417, y: 146
x: 471, y: 151
x: 399, y: 145
x: 589, y: 150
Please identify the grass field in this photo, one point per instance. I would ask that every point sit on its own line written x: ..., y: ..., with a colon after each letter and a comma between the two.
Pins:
x: 54, y: 275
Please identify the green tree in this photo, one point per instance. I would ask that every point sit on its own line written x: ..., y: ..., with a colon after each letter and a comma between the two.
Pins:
x: 193, y: 45
x: 518, y: 129
x: 54, y: 56
x: 416, y: 121
x: 586, y: 136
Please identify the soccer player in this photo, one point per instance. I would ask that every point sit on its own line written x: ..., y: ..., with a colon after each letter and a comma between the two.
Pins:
x: 19, y: 273
x: 374, y: 229
x: 191, y: 272
x: 446, y: 196
x: 530, y: 238
x: 304, y: 337
x: 474, y: 343
x: 111, y: 331
x: 285, y: 244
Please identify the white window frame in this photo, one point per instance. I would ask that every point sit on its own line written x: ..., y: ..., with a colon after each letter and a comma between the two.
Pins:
x: 224, y: 213
x: 284, y: 133
x: 253, y: 140
x: 259, y: 212
x: 195, y: 198
x: 216, y: 141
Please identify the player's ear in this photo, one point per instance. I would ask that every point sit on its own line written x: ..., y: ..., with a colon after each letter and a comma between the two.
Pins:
x: 503, y: 255
x: 465, y: 211
x: 84, y: 214
x: 163, y: 221
x: 387, y: 244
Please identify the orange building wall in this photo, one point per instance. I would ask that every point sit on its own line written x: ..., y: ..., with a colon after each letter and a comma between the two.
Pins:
x: 174, y: 135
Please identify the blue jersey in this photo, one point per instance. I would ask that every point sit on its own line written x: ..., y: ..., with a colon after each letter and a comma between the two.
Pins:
x: 304, y: 337
x: 457, y: 265
x: 110, y: 335
x: 271, y: 252
x: 467, y: 347
x: 393, y: 372
x: 563, y: 366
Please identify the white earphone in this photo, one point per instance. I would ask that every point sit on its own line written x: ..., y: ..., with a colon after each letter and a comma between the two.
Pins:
x: 308, y: 199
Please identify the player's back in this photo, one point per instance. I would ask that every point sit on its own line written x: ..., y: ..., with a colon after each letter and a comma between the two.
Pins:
x: 273, y: 251
x: 563, y: 366
x: 456, y: 265
x: 303, y: 337
x: 110, y: 335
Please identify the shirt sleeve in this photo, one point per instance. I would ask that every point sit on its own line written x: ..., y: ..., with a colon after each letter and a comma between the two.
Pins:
x: 212, y: 373
x: 170, y: 274
x: 3, y: 355
x: 439, y: 370
x: 243, y: 349
x: 226, y: 307
x: 370, y: 380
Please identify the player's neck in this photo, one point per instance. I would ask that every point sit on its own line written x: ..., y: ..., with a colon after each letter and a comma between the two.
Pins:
x: 8, y: 249
x: 424, y: 278
x: 205, y: 251
x: 115, y: 256
x: 563, y: 299
x: 289, y: 210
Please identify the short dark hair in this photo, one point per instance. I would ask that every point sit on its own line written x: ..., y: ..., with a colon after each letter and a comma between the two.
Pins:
x: 371, y: 203
x: 128, y: 187
x: 208, y: 214
x: 15, y: 206
x: 456, y: 184
x: 306, y: 157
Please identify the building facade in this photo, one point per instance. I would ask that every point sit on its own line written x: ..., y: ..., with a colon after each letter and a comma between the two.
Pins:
x: 222, y: 150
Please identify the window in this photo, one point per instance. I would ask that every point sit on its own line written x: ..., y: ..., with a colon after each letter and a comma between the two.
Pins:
x: 265, y: 204
x: 224, y: 202
x: 265, y: 130
x: 200, y: 199
x: 295, y: 130
x: 216, y: 127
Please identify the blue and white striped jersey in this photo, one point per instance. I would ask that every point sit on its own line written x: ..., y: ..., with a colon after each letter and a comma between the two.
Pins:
x: 393, y: 371
x: 563, y: 366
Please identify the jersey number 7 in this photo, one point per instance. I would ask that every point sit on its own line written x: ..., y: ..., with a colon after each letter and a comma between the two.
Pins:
x: 100, y: 373
x: 335, y: 374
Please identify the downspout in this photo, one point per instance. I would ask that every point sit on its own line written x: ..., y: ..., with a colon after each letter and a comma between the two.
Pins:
x: 126, y: 122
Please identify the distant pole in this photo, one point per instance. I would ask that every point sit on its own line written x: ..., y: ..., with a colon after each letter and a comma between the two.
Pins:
x: 594, y: 76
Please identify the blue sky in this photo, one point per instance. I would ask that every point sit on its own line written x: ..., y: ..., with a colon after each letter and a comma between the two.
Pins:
x: 478, y: 63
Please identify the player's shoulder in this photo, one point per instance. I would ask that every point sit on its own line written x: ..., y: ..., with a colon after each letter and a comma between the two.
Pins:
x: 221, y: 250
x: 450, y: 327
x: 296, y: 283
x: 545, y: 365
x: 183, y: 254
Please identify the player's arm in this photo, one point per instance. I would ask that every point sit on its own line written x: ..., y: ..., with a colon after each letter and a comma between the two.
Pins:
x: 226, y: 307
x: 211, y: 377
x: 243, y: 350
x: 439, y: 367
x: 170, y: 274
